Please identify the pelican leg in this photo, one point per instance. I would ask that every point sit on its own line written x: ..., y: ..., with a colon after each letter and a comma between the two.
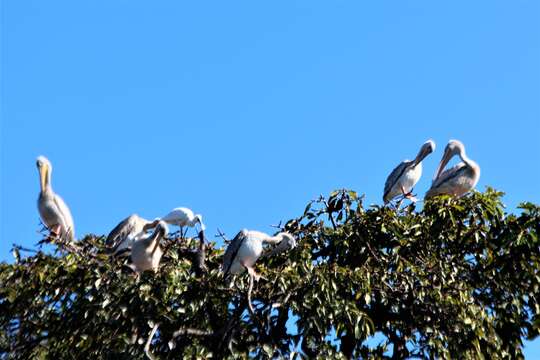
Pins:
x: 411, y: 197
x: 251, y: 271
x: 408, y: 195
x: 182, y: 232
x: 54, y: 233
x: 253, y: 274
x: 55, y: 230
x: 250, y: 290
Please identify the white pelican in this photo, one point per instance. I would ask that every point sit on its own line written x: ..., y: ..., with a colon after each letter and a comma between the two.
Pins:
x: 457, y: 180
x: 121, y: 238
x: 146, y: 252
x: 403, y: 178
x: 247, y: 247
x: 52, y: 209
x: 183, y: 217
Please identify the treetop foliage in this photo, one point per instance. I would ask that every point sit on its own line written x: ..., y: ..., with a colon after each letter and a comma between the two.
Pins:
x: 458, y: 279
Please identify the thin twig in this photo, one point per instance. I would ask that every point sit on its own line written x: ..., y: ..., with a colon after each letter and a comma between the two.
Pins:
x: 221, y: 234
x: 22, y: 248
x: 280, y: 304
x: 230, y: 324
x: 323, y: 200
x: 149, y: 342
x: 373, y: 252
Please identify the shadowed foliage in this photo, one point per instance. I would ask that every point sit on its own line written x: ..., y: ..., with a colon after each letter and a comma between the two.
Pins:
x: 458, y: 279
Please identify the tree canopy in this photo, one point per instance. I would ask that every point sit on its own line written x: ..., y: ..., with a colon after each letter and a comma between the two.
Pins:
x: 459, y: 278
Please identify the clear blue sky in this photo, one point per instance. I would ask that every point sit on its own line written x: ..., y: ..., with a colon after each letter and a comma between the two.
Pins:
x: 246, y: 110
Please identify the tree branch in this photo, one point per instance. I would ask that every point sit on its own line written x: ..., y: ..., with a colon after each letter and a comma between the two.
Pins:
x: 192, y: 332
x: 149, y: 342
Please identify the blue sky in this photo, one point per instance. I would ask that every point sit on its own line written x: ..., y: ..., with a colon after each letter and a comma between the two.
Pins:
x: 244, y: 111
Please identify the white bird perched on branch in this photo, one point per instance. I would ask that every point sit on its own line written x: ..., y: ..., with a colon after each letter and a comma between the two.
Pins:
x: 52, y: 209
x: 402, y: 179
x: 247, y: 247
x: 183, y: 217
x: 243, y: 252
x: 459, y: 179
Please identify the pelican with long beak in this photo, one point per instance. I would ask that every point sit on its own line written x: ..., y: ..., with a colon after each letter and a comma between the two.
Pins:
x: 402, y: 179
x: 247, y: 247
x: 53, y: 210
x: 459, y: 179
x: 121, y: 238
x: 145, y: 251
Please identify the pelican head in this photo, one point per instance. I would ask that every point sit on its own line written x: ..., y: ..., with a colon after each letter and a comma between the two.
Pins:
x: 454, y: 147
x: 152, y: 224
x: 198, y: 218
x: 45, y: 168
x: 162, y: 229
x: 42, y: 161
x: 425, y: 150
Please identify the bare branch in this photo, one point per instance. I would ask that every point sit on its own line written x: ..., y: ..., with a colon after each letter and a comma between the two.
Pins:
x: 22, y: 248
x: 323, y: 200
x: 149, y: 342
x: 221, y: 234
x: 193, y: 332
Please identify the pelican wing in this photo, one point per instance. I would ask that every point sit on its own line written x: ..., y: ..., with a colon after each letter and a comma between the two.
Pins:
x: 131, y: 225
x: 66, y: 220
x: 449, y: 181
x: 394, y: 177
x: 232, y: 251
x: 449, y: 174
